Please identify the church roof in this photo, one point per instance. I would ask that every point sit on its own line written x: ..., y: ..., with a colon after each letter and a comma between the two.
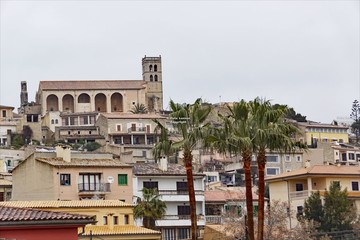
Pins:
x: 92, y: 85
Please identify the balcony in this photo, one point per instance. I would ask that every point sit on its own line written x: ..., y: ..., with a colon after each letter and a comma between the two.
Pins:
x: 179, y: 220
x: 214, y: 219
x: 136, y: 129
x: 181, y: 217
x: 179, y: 192
x: 93, y: 188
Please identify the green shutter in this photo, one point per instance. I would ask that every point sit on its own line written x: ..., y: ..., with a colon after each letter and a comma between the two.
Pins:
x: 122, y: 179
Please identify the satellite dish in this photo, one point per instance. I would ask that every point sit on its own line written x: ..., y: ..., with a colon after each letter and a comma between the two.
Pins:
x: 110, y: 179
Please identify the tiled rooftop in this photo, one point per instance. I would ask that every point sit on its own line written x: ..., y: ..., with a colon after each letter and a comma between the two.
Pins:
x: 227, y: 194
x: 92, y: 85
x: 15, y: 214
x: 117, y: 230
x: 77, y: 162
x: 67, y: 204
x: 317, y: 170
x: 152, y: 169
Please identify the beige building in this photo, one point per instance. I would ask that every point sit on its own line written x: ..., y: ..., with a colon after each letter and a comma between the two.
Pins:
x: 296, y: 186
x: 67, y: 176
x: 115, y: 219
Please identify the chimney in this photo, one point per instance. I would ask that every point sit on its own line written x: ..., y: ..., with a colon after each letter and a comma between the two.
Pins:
x: 163, y: 164
x: 64, y: 152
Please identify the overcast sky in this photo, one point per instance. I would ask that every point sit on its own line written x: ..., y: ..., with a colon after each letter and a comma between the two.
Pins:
x: 301, y: 53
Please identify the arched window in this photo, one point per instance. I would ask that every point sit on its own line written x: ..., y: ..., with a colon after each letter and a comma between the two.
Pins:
x: 56, y: 121
x: 156, y: 78
x: 52, y: 121
x: 155, y: 68
x: 151, y: 78
x: 150, y: 68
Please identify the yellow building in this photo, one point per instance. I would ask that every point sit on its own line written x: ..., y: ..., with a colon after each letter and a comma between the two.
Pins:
x: 296, y: 186
x: 313, y: 132
x: 115, y: 219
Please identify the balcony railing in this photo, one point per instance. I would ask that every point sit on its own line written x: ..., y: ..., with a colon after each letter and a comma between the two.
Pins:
x: 299, y: 194
x: 214, y: 219
x: 94, y: 187
x: 136, y: 129
x: 179, y: 192
x: 181, y: 217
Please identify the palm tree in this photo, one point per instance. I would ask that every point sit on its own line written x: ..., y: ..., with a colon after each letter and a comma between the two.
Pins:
x: 272, y: 133
x: 150, y: 207
x: 139, y: 109
x: 189, y: 122
x: 236, y: 137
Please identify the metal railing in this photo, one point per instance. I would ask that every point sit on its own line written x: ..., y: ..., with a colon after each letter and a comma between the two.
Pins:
x: 94, y: 187
x: 137, y: 129
x: 179, y: 192
x: 181, y: 217
x: 214, y: 219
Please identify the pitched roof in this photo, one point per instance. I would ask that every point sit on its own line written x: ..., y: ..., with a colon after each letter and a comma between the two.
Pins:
x: 132, y: 116
x: 77, y: 162
x: 227, y: 194
x: 117, y: 230
x: 67, y: 204
x: 9, y: 107
x: 324, y: 170
x: 92, y: 85
x: 152, y: 169
x: 15, y: 214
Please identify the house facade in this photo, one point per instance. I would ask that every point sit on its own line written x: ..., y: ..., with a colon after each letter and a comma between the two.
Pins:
x: 68, y: 176
x: 296, y: 186
x: 114, y: 218
x: 171, y: 182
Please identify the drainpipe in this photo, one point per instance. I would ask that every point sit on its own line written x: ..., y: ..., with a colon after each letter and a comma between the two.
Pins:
x: 289, y: 211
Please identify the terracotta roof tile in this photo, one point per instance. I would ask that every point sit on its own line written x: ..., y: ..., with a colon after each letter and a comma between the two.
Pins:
x: 117, y: 230
x: 92, y: 85
x: 15, y: 214
x: 67, y: 204
x: 152, y: 169
x: 77, y: 162
x: 227, y: 194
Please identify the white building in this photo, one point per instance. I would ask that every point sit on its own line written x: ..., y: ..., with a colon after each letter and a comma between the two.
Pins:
x: 171, y: 182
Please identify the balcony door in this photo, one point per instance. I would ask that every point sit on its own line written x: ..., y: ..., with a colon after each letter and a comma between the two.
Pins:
x: 89, y: 182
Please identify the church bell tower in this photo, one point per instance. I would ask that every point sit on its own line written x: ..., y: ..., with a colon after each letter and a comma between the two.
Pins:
x: 152, y: 75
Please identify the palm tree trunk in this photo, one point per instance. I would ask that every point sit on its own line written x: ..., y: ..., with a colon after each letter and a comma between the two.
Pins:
x: 190, y: 180
x: 249, y: 198
x: 261, y: 161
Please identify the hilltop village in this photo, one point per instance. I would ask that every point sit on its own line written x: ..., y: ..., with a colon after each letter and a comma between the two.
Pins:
x: 74, y: 164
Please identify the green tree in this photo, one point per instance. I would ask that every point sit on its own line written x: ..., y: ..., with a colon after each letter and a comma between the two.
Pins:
x: 338, y: 210
x: 139, y: 109
x: 27, y: 134
x: 355, y: 115
x: 150, y: 207
x: 189, y: 122
x: 17, y: 141
x: 92, y: 146
x: 313, y: 209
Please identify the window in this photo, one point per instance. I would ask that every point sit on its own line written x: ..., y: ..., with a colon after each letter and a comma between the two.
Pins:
x: 355, y: 186
x: 118, y: 127
x: 56, y: 121
x: 183, y: 233
x: 85, y: 120
x: 105, y: 220
x: 156, y: 78
x: 298, y: 158
x: 122, y: 179
x: 150, y: 68
x: 168, y: 233
x: 90, y: 132
x: 299, y: 187
x: 351, y: 156
x: 155, y: 68
x: 272, y: 171
x: 79, y: 132
x: 151, y: 78
x: 89, y: 182
x: 65, y: 179
x: 4, y: 113
x: 287, y: 158
x: 52, y: 121
x: 182, y: 187
x: 184, y: 210
x: 272, y: 159
x: 126, y: 219
x: 299, y: 211
x: 115, y: 220
x: 150, y: 185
